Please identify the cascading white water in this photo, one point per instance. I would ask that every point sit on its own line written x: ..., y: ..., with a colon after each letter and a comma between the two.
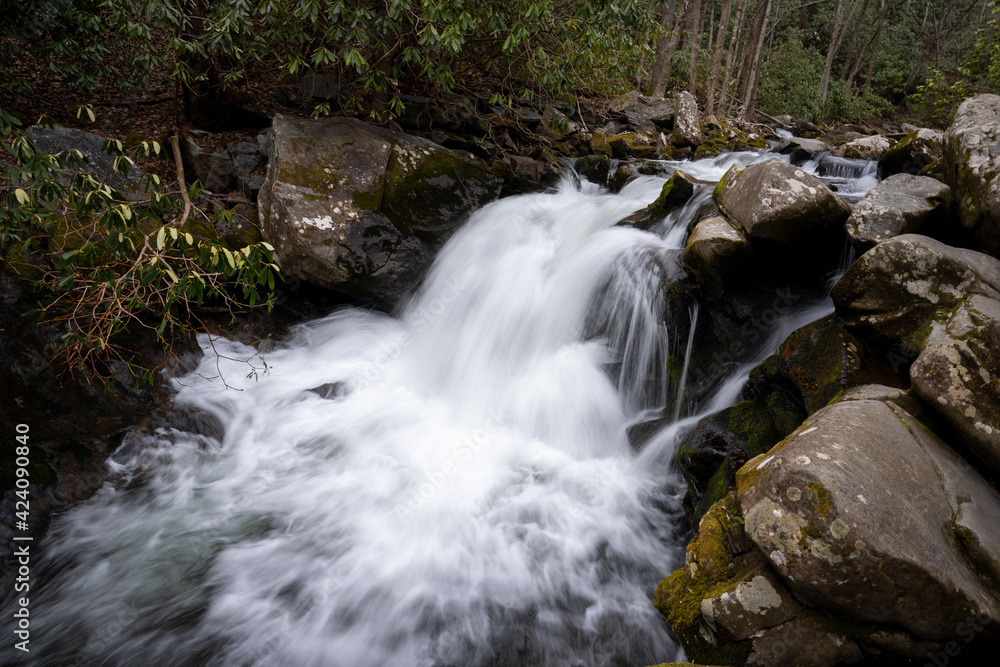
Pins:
x: 458, y: 489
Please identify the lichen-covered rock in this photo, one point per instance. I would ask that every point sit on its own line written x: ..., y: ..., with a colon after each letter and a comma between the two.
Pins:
x: 861, y: 512
x: 912, y: 153
x: 972, y: 167
x: 687, y: 125
x: 865, y: 148
x: 808, y: 640
x: 758, y: 600
x: 904, y: 287
x: 778, y: 202
x: 958, y: 374
x: 716, y: 252
x: 361, y: 209
x: 900, y: 204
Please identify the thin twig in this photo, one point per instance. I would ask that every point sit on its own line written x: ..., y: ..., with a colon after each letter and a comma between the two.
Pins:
x: 175, y: 144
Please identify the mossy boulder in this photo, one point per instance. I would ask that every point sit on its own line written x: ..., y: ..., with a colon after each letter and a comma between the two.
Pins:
x: 972, y: 167
x: 594, y: 168
x: 912, y: 153
x: 676, y: 192
x: 905, y: 287
x: 864, y: 148
x: 361, y: 209
x: 900, y: 204
x: 862, y: 512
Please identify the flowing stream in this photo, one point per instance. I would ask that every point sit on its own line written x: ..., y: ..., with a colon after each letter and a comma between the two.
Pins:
x: 449, y: 486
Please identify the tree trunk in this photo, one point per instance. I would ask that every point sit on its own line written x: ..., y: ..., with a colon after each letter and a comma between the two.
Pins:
x: 693, y: 38
x: 731, y: 57
x: 836, y: 36
x: 750, y: 71
x: 854, y: 41
x: 666, y: 47
x: 720, y: 40
x: 871, y: 63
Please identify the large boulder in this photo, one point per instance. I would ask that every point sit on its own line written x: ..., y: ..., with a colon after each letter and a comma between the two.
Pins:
x: 912, y: 153
x: 778, y: 202
x: 818, y: 507
x: 646, y: 114
x: 865, y: 148
x: 958, y: 374
x: 361, y: 209
x: 972, y: 167
x: 901, y: 204
x: 903, y: 288
x: 687, y: 125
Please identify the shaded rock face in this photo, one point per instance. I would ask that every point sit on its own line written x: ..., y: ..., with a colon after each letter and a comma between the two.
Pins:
x: 53, y: 140
x: 801, y: 150
x: 774, y: 201
x: 815, y: 506
x: 900, y: 204
x: 675, y: 193
x: 687, y: 129
x: 972, y: 167
x: 716, y: 254
x: 958, y: 374
x: 648, y: 114
x: 361, y: 209
x: 904, y: 287
x: 912, y: 153
x: 865, y: 148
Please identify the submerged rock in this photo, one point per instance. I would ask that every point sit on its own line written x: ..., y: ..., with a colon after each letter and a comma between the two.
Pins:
x: 972, y: 167
x: 361, y: 209
x: 900, y: 204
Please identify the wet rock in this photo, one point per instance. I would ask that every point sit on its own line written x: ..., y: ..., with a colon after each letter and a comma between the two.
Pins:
x: 675, y: 193
x: 972, y: 167
x: 900, y: 204
x: 802, y: 150
x: 594, y: 168
x: 903, y: 288
x: 958, y: 374
x: 912, y: 153
x: 716, y: 253
x: 865, y: 148
x: 816, y: 506
x: 687, y: 127
x: 808, y: 640
x: 361, y: 209
x: 777, y: 202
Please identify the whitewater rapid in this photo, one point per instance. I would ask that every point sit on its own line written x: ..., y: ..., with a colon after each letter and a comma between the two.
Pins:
x: 452, y: 485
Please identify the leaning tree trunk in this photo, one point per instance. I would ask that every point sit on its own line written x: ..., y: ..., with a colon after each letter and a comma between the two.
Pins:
x: 871, y: 63
x: 731, y: 56
x: 720, y: 39
x: 693, y: 38
x: 666, y: 47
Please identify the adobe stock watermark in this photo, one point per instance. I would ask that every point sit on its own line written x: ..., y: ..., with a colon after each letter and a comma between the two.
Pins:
x: 425, y: 315
x: 463, y: 451
x: 967, y: 631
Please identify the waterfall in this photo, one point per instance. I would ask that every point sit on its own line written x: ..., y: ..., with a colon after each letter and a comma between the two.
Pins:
x: 449, y: 486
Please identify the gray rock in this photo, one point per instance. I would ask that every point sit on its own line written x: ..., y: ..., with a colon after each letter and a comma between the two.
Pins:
x: 757, y: 601
x: 904, y: 287
x: 801, y: 150
x: 715, y: 253
x: 958, y: 374
x: 901, y: 204
x: 687, y: 128
x: 214, y: 170
x: 860, y: 512
x: 865, y: 148
x: 95, y: 161
x: 804, y: 641
x: 775, y: 201
x: 972, y: 167
x: 362, y: 209
x: 646, y: 114
x: 911, y: 153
